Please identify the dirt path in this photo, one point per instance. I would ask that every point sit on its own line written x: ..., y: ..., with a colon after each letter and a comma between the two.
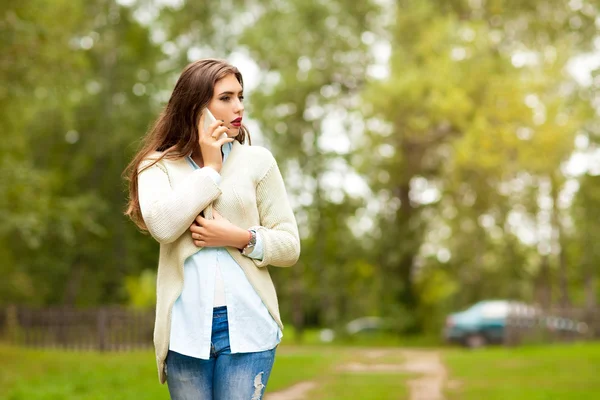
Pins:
x: 427, y: 364
x: 299, y: 391
x: 429, y: 385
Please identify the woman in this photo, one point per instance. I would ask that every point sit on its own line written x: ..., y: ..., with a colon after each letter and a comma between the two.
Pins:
x: 220, y: 212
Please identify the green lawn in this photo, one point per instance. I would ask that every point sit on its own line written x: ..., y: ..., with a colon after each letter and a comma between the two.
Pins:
x: 559, y: 372
x: 373, y: 386
x: 52, y: 374
x: 321, y: 364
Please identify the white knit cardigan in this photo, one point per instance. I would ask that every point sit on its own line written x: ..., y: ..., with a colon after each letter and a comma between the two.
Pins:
x: 251, y: 193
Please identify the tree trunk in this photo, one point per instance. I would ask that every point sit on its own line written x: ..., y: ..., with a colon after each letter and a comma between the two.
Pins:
x: 406, y: 227
x: 297, y: 301
x: 543, y: 284
x: 558, y: 241
x: 589, y: 279
x: 73, y: 283
x: 327, y: 292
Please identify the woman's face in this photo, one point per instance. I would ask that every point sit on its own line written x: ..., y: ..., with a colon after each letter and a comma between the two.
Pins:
x: 227, y: 103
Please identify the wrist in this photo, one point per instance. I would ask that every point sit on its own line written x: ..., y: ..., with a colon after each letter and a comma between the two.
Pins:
x: 242, y: 238
x: 249, y: 249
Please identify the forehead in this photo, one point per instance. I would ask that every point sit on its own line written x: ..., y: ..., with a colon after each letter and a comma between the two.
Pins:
x: 228, y: 84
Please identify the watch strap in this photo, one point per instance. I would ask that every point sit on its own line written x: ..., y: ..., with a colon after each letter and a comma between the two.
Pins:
x: 251, y: 243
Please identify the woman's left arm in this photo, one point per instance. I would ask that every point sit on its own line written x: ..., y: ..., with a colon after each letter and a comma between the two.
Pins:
x: 279, y: 230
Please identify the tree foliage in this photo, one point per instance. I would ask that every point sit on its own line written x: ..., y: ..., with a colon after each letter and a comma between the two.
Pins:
x: 425, y: 146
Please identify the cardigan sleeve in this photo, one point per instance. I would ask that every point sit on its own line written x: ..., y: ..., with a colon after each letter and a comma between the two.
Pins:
x: 278, y: 230
x: 168, y: 212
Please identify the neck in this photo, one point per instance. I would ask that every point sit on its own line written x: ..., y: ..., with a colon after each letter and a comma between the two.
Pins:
x: 197, y: 156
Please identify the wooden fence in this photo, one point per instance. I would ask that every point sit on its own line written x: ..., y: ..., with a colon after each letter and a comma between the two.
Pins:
x: 121, y: 329
x: 102, y: 329
x: 553, y: 325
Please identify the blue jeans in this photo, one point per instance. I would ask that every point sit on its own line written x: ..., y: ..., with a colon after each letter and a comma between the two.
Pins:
x: 225, y: 376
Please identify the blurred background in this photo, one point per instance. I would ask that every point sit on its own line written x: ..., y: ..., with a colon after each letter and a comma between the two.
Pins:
x: 438, y: 153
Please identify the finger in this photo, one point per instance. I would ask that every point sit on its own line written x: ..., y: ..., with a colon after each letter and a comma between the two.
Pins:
x: 200, y: 220
x: 221, y: 142
x: 219, y: 131
x: 214, y: 126
x: 195, y: 229
x: 197, y: 243
x: 196, y: 236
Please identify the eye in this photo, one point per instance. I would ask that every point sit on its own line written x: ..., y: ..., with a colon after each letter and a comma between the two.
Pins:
x: 225, y: 98
x: 241, y: 98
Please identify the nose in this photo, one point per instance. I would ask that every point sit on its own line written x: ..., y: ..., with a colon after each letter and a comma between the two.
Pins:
x: 238, y: 107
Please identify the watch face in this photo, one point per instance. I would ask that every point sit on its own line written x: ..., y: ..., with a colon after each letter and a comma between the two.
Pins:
x: 247, y: 250
x: 250, y: 247
x: 252, y: 242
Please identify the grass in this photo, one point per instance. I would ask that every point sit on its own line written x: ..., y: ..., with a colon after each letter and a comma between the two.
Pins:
x: 343, y: 385
x: 321, y: 365
x: 364, y: 387
x: 295, y: 364
x: 54, y: 374
x: 559, y: 372
x: 370, y: 339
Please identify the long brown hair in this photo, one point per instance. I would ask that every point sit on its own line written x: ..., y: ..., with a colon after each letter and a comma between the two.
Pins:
x: 175, y: 132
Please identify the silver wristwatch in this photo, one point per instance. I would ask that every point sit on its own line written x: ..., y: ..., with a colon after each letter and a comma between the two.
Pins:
x: 250, y: 246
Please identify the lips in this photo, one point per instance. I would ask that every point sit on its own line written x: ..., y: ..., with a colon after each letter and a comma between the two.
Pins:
x: 237, y: 122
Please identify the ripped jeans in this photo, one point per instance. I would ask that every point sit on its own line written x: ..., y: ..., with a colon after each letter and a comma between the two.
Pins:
x: 225, y: 376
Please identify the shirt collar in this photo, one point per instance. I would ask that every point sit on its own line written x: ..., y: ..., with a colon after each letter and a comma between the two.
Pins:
x: 226, y: 148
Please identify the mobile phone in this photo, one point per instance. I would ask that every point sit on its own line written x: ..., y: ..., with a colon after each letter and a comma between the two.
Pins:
x: 210, y: 119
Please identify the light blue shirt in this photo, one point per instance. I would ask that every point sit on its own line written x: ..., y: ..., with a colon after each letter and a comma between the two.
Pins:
x: 251, y: 327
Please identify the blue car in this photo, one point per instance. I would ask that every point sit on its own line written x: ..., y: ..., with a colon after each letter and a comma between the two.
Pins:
x: 483, y: 323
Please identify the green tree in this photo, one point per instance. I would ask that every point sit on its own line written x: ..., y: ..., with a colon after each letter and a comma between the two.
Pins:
x: 77, y: 96
x: 476, y: 107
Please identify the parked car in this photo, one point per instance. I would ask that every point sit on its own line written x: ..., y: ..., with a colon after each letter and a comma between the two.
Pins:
x: 485, y: 322
x: 364, y: 326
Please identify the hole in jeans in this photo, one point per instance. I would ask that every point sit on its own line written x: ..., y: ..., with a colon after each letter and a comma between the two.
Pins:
x: 258, y: 386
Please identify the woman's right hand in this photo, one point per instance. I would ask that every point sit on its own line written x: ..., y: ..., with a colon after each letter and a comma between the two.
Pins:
x: 210, y: 144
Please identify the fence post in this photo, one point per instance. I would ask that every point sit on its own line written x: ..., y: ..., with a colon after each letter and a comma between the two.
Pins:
x: 101, y: 329
x: 12, y: 330
x: 508, y: 329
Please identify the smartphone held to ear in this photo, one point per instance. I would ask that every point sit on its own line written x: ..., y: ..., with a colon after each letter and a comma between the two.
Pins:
x: 209, y: 119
